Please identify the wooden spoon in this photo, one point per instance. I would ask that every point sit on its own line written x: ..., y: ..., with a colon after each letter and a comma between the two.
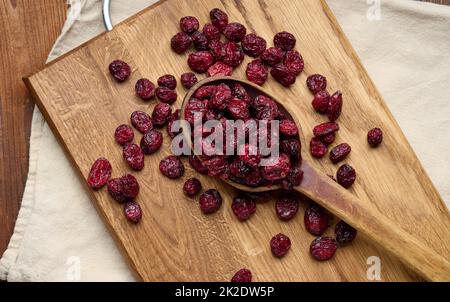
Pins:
x: 359, y: 214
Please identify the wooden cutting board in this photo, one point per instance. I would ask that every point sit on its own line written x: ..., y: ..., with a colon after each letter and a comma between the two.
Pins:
x: 174, y: 241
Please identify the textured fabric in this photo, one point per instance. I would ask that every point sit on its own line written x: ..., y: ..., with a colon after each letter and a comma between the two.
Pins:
x: 403, y: 44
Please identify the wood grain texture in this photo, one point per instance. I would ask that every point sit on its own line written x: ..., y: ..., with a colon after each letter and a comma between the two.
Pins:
x: 28, y: 29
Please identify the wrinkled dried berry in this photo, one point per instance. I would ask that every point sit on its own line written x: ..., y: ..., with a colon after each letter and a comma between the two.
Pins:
x: 317, y: 148
x: 238, y: 109
x: 233, y: 54
x: 316, y: 220
x: 124, y: 134
x: 288, y: 128
x: 321, y: 101
x: 328, y: 139
x: 200, y: 61
x: 284, y: 40
x: 340, y: 152
x: 216, y: 47
x: 166, y: 95
x: 243, y: 275
x: 265, y: 108
x: 346, y: 176
x: 200, y: 41
x: 293, y: 179
x: 220, y: 97
x: 316, y: 83
x: 286, y: 207
x: 239, y: 169
x: 253, y: 45
x: 294, y: 62
x: 325, y: 129
x: 133, y: 212
x: 141, y: 121
x: 134, y: 156
x: 120, y: 70
x: 272, y: 56
x: 239, y: 92
x: 375, y: 137
x: 211, y: 32
x: 243, y: 207
x: 195, y: 106
x: 161, y: 114
x: 220, y: 69
x: 171, y: 167
x: 172, y: 119
x: 335, y: 106
x: 254, y: 179
x: 257, y: 72
x: 145, y: 89
x: 249, y: 154
x: 235, y: 32
x: 123, y: 189
x: 344, y: 232
x: 280, y: 245
x: 283, y: 75
x: 323, y: 248
x: 197, y: 165
x: 99, y: 174
x: 180, y: 42
x: 151, y: 142
x: 188, y: 80
x: 192, y: 187
x: 291, y: 147
x: 216, y: 165
x: 189, y: 24
x: 210, y: 201
x: 219, y: 18
x: 168, y: 81
x: 277, y: 168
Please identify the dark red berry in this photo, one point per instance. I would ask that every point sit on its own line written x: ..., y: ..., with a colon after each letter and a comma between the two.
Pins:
x: 195, y: 106
x: 317, y: 148
x: 120, y: 70
x: 210, y: 201
x: 200, y: 41
x: 220, y: 97
x: 141, y: 121
x: 99, y: 174
x: 192, y: 187
x: 171, y: 167
x: 257, y: 72
x: 233, y: 54
x: 220, y: 69
x: 291, y: 147
x: 243, y: 207
x: 243, y: 275
x: 316, y: 220
x: 216, y: 165
x: 346, y: 176
x: 286, y: 207
x: 180, y: 42
x: 145, y: 89
x: 272, y: 56
x: 254, y: 179
x: 340, y: 152
x: 188, y: 80
x: 328, y: 139
x: 265, y: 108
x: 253, y: 45
x: 133, y: 212
x: 239, y: 92
x: 189, y: 24
x: 249, y: 154
x: 197, y: 165
x: 294, y: 178
x: 325, y: 129
x: 344, y: 233
x: 316, y: 83
x: 239, y: 169
x: 288, y: 128
x: 166, y: 95
x: 172, y: 119
x: 124, y: 134
x: 134, y: 156
x: 161, y: 114
x: 168, y: 81
x: 375, y: 137
x: 151, y: 142
x: 335, y: 106
x: 216, y: 47
x: 235, y: 32
x: 284, y: 40
x: 219, y: 18
x: 238, y: 109
x: 277, y: 168
x: 283, y: 75
x: 294, y: 62
x: 280, y: 245
x: 200, y: 61
x: 123, y: 189
x: 323, y: 248
x: 321, y: 101
x: 211, y: 32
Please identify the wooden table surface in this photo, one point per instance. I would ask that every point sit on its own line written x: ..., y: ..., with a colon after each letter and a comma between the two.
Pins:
x: 28, y: 29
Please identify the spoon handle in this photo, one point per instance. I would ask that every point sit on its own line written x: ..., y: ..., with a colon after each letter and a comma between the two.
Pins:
x: 369, y: 221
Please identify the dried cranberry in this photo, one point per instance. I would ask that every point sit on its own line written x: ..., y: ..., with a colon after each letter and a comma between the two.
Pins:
x: 294, y: 62
x: 335, y: 106
x: 316, y: 83
x: 375, y: 137
x: 145, y: 89
x: 166, y: 95
x: 189, y: 24
x: 344, y: 232
x: 293, y: 179
x: 257, y: 72
x: 254, y: 179
x: 174, y: 117
x: 120, y: 70
x: 197, y: 165
x: 180, y: 42
x: 239, y: 169
x: 235, y: 32
x: 216, y: 47
x: 280, y: 245
x: 328, y: 139
x: 211, y: 32
x: 288, y: 128
x: 291, y: 147
x: 99, y: 174
x: 192, y: 187
x: 243, y: 207
x: 286, y: 207
x: 210, y: 201
x: 249, y: 154
x: 134, y: 156
x: 188, y: 80
x: 272, y: 56
x: 340, y: 152
x: 220, y: 97
x: 200, y: 41
x: 200, y: 61
x: 283, y: 75
x: 323, y: 248
x: 123, y: 189
x: 124, y: 134
x: 195, y: 106
x: 220, y: 69
x: 171, y: 167
x: 243, y: 275
x: 265, y: 108
x: 133, y: 212
x: 151, y: 141
x: 219, y: 18
x: 238, y: 109
x: 253, y: 45
x: 239, y: 92
x: 141, y: 121
x: 346, y: 176
x: 318, y: 149
x: 161, y: 114
x: 233, y: 54
x: 276, y: 168
x: 321, y: 101
x: 168, y: 81
x: 316, y: 220
x: 325, y: 129
x: 284, y: 40
x: 216, y: 165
